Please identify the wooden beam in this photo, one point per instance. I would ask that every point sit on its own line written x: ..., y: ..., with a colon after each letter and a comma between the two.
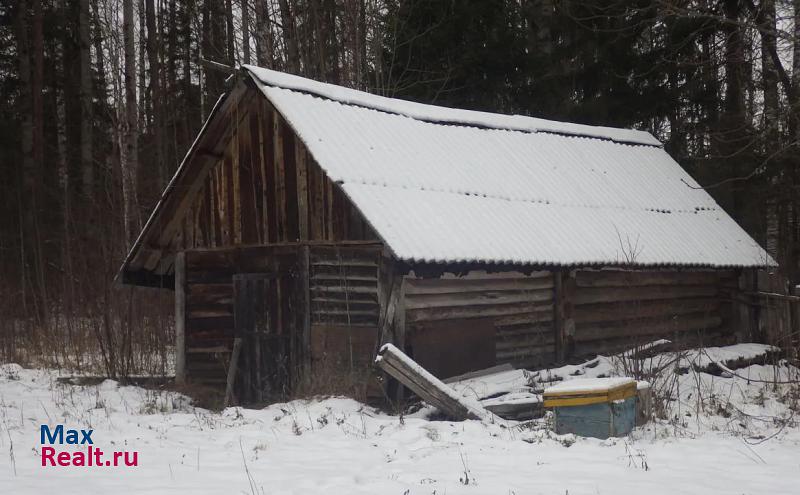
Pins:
x: 180, y: 318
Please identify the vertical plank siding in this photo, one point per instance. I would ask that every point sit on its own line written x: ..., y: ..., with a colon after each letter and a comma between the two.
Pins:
x: 266, y: 188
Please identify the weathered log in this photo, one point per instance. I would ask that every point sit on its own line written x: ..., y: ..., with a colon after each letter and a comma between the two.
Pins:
x: 599, y: 312
x: 428, y: 387
x: 621, y: 294
x: 458, y: 312
x: 459, y: 286
x: 542, y: 352
x: 647, y: 327
x: 607, y: 278
x: 484, y: 298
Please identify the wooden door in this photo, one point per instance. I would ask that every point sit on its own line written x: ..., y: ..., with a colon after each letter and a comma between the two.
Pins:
x: 265, y: 360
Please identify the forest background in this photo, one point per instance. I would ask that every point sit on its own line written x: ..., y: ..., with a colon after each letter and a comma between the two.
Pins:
x: 100, y: 100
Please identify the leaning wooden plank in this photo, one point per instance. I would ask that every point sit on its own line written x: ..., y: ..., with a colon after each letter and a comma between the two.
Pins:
x: 232, y: 366
x: 428, y: 387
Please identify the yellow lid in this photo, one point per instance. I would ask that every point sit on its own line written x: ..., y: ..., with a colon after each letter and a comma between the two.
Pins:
x: 581, y: 392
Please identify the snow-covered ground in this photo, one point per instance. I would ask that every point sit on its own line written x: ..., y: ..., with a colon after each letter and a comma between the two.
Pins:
x: 726, y: 436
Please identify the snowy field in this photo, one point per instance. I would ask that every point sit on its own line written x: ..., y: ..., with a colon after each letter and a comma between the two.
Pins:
x: 727, y: 436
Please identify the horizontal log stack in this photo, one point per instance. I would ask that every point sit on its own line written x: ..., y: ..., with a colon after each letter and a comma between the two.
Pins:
x: 547, y: 316
x: 614, y: 310
x: 518, y: 308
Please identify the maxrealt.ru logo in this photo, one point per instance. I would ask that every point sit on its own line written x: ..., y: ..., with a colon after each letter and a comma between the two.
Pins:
x: 91, y: 456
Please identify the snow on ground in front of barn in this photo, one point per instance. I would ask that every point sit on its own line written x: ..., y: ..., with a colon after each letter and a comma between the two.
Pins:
x: 336, y: 445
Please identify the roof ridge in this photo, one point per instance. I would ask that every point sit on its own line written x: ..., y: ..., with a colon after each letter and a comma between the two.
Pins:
x: 445, y: 115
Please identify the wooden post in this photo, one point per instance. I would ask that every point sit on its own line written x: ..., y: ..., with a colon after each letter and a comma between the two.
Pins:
x: 564, y: 287
x: 570, y: 288
x: 233, y: 364
x: 742, y: 316
x: 388, y: 311
x: 558, y: 316
x: 301, y: 166
x: 400, y: 314
x: 305, y: 295
x: 180, y: 318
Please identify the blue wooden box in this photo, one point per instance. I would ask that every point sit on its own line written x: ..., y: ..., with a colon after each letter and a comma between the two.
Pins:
x: 599, y: 408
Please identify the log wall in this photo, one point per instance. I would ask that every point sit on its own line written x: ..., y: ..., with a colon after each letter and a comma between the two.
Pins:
x: 345, y: 305
x: 544, y: 317
x: 344, y: 286
x: 614, y: 310
x: 517, y: 307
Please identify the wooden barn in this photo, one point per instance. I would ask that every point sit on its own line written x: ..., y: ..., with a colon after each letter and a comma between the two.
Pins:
x: 311, y: 223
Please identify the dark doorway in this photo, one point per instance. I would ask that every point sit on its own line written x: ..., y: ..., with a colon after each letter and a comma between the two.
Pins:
x: 264, y: 363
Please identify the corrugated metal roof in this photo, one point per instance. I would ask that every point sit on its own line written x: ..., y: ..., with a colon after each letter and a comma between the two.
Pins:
x: 446, y: 185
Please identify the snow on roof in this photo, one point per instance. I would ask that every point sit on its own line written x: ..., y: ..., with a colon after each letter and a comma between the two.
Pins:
x: 449, y: 185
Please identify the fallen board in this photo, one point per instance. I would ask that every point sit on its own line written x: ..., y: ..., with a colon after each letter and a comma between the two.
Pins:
x: 432, y: 390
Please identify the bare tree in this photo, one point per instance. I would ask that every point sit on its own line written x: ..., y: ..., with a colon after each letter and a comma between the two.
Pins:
x: 265, y: 48
x: 245, y: 32
x: 87, y: 158
x: 130, y: 163
x: 156, y: 100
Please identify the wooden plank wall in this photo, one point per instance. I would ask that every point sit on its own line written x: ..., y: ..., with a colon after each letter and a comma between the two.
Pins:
x: 778, y: 317
x: 209, y: 324
x: 614, y: 310
x: 345, y: 302
x: 343, y: 291
x: 344, y: 285
x: 598, y: 311
x: 520, y: 307
x: 345, y: 306
x: 266, y: 188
